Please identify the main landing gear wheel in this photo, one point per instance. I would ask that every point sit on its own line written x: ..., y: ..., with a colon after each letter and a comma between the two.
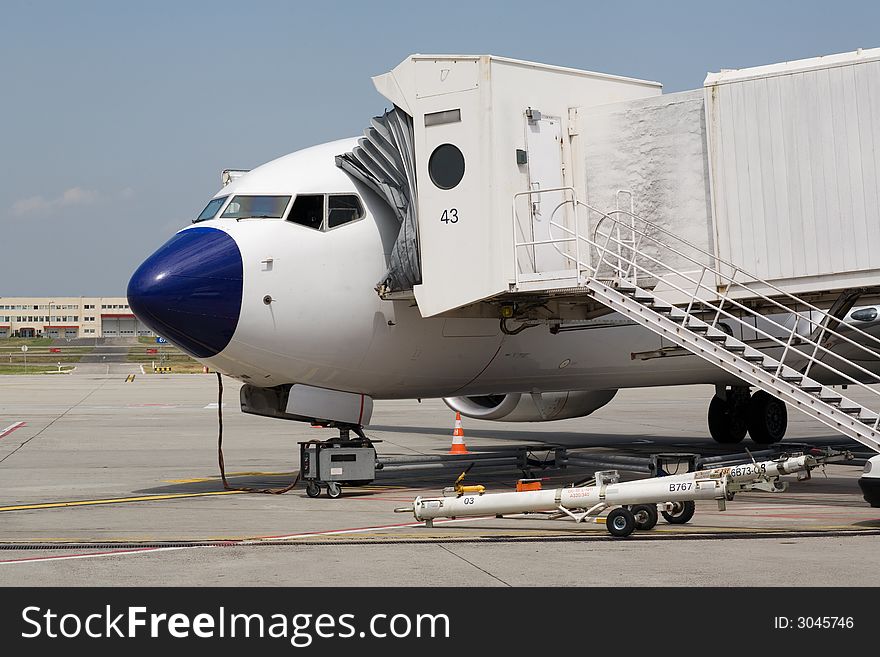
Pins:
x: 645, y: 515
x: 334, y: 490
x: 768, y: 418
x: 313, y: 489
x: 681, y: 513
x: 620, y: 522
x: 729, y: 418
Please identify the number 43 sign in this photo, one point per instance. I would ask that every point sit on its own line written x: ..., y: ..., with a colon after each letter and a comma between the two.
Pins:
x: 449, y: 216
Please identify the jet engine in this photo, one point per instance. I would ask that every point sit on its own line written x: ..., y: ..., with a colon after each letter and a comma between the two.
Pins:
x: 535, y: 407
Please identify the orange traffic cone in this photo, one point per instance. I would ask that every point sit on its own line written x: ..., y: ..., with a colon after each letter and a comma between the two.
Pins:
x: 458, y: 446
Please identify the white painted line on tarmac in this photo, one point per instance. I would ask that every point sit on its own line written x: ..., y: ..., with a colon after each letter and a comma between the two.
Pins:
x: 93, y: 555
x: 152, y: 405
x: 12, y: 427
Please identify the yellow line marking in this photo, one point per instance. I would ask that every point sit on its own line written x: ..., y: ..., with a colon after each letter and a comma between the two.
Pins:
x: 115, y: 500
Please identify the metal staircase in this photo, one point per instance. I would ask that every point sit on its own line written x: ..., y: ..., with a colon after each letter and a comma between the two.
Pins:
x: 747, y: 363
x: 627, y: 257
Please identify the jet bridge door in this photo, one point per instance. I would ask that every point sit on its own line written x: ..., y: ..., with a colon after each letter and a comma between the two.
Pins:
x: 544, y: 148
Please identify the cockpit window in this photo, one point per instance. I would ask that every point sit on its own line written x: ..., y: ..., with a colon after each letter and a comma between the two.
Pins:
x: 259, y: 207
x: 212, y: 208
x: 308, y: 210
x: 342, y: 209
x: 325, y: 211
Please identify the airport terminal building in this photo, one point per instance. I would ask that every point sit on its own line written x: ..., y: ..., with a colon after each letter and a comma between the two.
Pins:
x: 69, y: 317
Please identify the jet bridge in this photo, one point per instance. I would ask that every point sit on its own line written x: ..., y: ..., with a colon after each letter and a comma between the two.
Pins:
x: 510, y: 166
x: 544, y: 193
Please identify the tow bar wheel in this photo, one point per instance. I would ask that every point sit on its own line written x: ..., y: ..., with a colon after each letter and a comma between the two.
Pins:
x: 620, y: 522
x: 681, y: 513
x: 645, y: 514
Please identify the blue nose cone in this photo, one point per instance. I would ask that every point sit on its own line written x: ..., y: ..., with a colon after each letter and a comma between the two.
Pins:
x: 189, y: 291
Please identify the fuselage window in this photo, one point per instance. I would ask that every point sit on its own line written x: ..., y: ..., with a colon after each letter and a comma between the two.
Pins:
x: 343, y: 209
x: 212, y: 208
x: 308, y: 210
x: 256, y: 207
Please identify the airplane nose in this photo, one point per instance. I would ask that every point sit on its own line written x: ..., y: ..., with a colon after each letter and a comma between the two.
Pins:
x: 189, y: 291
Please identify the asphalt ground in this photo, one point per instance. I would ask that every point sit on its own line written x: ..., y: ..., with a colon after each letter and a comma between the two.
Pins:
x: 109, y: 481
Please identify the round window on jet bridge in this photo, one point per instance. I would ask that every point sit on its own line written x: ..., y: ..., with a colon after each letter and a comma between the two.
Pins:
x: 446, y: 166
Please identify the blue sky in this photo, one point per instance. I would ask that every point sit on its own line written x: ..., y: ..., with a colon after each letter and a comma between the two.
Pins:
x: 116, y: 118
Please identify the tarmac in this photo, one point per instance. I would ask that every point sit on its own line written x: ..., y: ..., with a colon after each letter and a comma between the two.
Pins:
x: 109, y: 481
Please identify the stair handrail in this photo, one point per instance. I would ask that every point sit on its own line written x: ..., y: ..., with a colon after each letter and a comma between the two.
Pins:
x: 731, y: 281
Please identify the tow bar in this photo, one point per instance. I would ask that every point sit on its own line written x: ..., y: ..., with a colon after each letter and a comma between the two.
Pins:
x: 634, y: 504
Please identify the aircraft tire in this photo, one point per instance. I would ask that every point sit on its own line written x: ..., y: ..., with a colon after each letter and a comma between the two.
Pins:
x: 768, y: 418
x: 620, y: 522
x: 683, y: 516
x: 728, y: 423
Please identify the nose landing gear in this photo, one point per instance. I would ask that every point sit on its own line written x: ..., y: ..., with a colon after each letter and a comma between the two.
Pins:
x: 733, y: 412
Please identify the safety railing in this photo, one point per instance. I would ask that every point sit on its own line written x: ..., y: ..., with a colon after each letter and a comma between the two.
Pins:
x: 529, y: 244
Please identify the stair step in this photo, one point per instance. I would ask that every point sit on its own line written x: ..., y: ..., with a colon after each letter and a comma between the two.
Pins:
x: 792, y: 378
x: 869, y: 421
x: 853, y: 410
x: 643, y: 299
x: 737, y: 347
x: 831, y: 400
x: 754, y: 358
x: 677, y: 318
x: 811, y: 387
x: 662, y: 309
x: 718, y: 338
x: 699, y: 328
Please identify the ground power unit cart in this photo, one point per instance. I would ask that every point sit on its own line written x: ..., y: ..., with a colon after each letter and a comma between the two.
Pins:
x: 336, y: 462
